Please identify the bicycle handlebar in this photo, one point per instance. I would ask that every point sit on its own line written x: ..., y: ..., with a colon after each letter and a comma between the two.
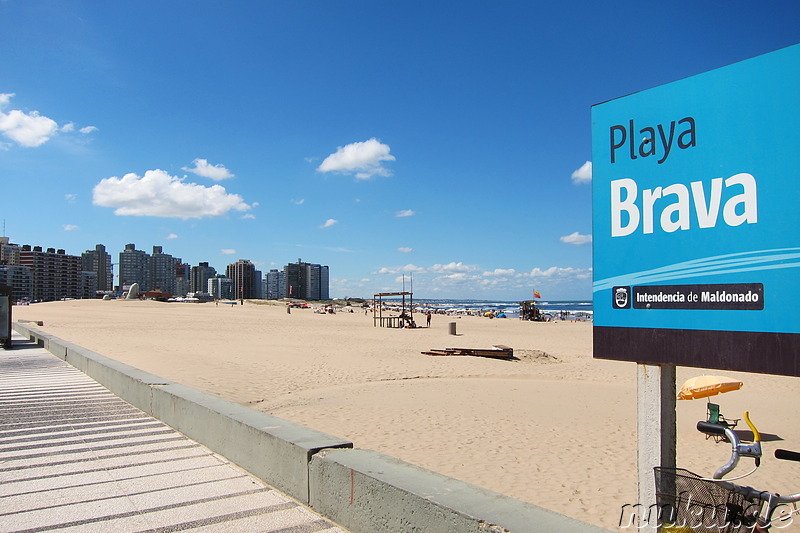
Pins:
x: 787, y: 455
x: 738, y: 449
x: 749, y: 449
x: 708, y: 427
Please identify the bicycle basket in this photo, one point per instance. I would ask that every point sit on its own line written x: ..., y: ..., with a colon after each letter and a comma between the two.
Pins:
x: 686, y: 500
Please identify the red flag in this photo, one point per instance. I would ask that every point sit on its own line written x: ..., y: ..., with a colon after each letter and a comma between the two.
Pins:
x: 536, y: 294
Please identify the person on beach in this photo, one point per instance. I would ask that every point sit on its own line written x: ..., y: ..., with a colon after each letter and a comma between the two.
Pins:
x: 428, y: 318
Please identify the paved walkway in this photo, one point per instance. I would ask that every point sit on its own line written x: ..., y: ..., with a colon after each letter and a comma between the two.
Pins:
x: 74, y: 457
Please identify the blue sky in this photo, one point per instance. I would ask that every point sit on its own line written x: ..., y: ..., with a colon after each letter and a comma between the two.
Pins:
x: 445, y: 140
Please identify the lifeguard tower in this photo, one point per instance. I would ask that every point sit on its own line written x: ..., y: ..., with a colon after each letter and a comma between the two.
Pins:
x: 529, y: 311
x: 406, y: 316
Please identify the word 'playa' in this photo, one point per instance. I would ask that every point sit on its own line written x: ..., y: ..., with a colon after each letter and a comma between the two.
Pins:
x: 675, y: 215
x: 648, y: 145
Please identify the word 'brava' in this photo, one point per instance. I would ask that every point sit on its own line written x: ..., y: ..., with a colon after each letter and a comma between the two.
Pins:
x: 648, y: 146
x: 671, y: 206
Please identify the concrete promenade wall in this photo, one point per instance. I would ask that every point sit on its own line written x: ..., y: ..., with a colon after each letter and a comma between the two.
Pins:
x: 362, y: 490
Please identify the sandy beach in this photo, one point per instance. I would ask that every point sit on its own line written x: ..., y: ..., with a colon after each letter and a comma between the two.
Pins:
x: 555, y: 427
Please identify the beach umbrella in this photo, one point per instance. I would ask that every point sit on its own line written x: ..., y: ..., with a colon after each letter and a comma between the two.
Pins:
x: 705, y: 386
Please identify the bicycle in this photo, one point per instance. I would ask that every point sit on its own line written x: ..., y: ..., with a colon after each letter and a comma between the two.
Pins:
x: 688, y: 503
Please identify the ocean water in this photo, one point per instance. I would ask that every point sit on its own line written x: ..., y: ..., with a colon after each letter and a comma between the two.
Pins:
x: 569, y: 308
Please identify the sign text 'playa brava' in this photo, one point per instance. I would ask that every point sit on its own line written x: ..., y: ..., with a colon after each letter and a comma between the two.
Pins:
x: 695, y: 220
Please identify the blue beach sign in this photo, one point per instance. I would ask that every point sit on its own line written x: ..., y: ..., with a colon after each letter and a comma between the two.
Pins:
x: 696, y: 215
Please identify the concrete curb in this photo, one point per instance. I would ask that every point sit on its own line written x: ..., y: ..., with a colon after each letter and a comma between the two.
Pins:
x: 362, y: 490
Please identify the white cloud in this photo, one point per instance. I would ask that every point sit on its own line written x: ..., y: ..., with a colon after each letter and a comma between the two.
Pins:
x: 328, y: 223
x: 70, y: 227
x: 560, y: 273
x: 227, y: 251
x: 301, y: 201
x: 459, y: 280
x: 204, y: 169
x: 404, y: 213
x: 362, y: 158
x: 171, y: 236
x: 583, y: 174
x: 576, y: 238
x: 501, y: 272
x: 399, y: 270
x: 71, y: 197
x: 158, y: 194
x: 248, y: 216
x: 452, y: 267
x: 458, y: 276
x: 69, y: 127
x: 28, y: 130
x: 405, y: 249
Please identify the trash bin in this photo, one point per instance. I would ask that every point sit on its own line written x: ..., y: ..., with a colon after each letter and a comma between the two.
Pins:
x: 452, y: 326
x: 5, y: 316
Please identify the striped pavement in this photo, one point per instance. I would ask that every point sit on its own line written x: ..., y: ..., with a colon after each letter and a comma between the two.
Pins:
x: 76, y: 458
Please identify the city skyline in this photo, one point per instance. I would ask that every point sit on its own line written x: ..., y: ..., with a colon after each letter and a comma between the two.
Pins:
x: 380, y: 139
x: 38, y: 273
x: 115, y: 271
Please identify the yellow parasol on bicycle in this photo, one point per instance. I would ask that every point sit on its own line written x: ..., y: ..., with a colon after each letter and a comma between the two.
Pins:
x: 705, y: 386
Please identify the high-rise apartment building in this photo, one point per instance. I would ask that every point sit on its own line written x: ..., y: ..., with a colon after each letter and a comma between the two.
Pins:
x: 243, y: 274
x: 55, y: 274
x: 306, y: 281
x: 20, y: 280
x: 157, y: 272
x: 199, y: 276
x: 258, y: 285
x: 162, y: 271
x: 181, y: 277
x: 294, y: 278
x: 274, y: 285
x: 220, y: 287
x: 87, y: 284
x: 99, y: 262
x: 133, y: 268
x: 9, y: 253
x: 317, y: 282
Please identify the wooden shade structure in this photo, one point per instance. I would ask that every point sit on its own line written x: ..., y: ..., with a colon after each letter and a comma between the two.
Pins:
x: 392, y: 321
